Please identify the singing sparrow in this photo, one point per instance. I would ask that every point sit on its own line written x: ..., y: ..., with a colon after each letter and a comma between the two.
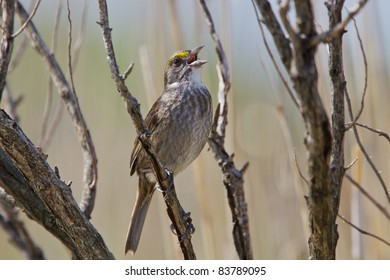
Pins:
x: 180, y: 123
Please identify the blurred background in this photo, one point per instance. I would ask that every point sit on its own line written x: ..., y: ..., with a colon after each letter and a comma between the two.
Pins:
x: 265, y: 128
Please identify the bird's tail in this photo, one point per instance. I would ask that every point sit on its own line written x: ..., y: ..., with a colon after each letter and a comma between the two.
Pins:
x: 144, y: 197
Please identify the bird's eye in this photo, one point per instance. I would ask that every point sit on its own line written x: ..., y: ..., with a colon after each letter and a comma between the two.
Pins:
x: 176, y: 62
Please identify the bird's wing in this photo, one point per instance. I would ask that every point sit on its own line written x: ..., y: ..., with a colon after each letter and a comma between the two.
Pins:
x: 152, y: 121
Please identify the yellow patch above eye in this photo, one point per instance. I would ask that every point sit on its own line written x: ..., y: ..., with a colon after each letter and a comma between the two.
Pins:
x: 181, y: 55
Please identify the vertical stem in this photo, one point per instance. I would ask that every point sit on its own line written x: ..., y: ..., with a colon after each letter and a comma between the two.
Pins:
x: 7, y: 9
x: 338, y: 83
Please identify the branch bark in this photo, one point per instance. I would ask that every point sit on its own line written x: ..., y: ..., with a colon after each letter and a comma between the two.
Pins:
x: 303, y: 74
x: 338, y: 86
x: 6, y: 40
x: 26, y: 176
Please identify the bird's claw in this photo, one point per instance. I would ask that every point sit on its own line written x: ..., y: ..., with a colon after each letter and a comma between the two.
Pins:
x: 189, y: 230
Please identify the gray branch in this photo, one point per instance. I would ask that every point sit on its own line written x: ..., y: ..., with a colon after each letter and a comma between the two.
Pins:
x: 233, y: 178
x: 6, y: 41
x: 303, y: 73
x: 70, y: 99
x: 338, y: 84
x: 25, y: 174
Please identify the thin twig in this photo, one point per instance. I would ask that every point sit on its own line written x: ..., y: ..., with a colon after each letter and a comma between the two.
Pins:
x: 233, y: 178
x: 17, y: 232
x: 377, y: 131
x: 28, y: 19
x: 72, y: 104
x: 70, y: 68
x: 369, y: 197
x: 6, y: 198
x: 335, y: 31
x: 80, y: 37
x: 277, y: 68
x: 365, y: 72
x: 128, y: 71
x: 361, y: 146
x: 47, y: 134
x: 223, y: 72
x: 363, y: 231
x: 10, y: 104
x: 351, y: 164
x: 283, y: 10
x: 16, y: 58
x: 6, y: 40
x: 281, y: 41
x: 90, y: 168
x: 299, y: 170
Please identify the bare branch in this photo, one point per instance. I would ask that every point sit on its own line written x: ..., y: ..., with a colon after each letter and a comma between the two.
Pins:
x: 363, y: 231
x: 16, y: 58
x: 28, y: 19
x: 81, y: 36
x: 223, y: 75
x: 299, y: 170
x: 233, y: 178
x: 70, y: 68
x: 351, y: 164
x: 17, y: 233
x: 128, y: 71
x: 180, y: 223
x: 370, y: 198
x: 365, y: 72
x: 361, y: 146
x: 281, y: 41
x: 337, y: 122
x: 6, y: 198
x: 7, y: 8
x: 10, y: 104
x: 283, y: 10
x: 339, y: 28
x: 25, y: 174
x: 289, y: 90
x: 48, y: 133
x: 71, y: 102
x: 379, y: 132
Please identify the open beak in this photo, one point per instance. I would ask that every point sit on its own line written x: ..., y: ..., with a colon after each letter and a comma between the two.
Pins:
x: 192, y: 59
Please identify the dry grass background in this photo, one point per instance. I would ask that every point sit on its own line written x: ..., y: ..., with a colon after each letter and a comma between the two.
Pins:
x: 256, y: 132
